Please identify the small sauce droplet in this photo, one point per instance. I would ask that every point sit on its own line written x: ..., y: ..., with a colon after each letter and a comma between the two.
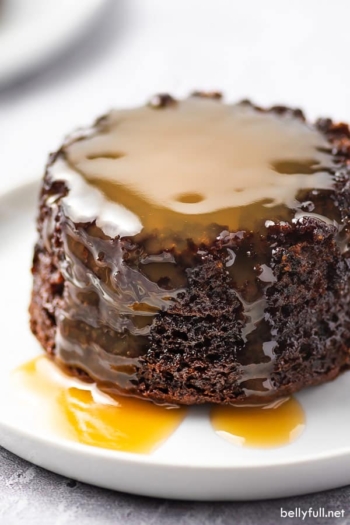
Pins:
x: 190, y: 198
x: 80, y: 412
x: 268, y: 426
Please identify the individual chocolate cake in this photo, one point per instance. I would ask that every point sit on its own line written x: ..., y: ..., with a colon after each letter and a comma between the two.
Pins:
x: 194, y: 251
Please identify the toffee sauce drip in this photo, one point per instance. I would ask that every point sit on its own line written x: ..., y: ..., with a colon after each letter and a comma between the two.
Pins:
x: 175, y: 181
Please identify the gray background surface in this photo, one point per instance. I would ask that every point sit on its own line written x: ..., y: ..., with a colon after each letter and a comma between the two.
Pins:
x: 136, y: 48
x: 30, y: 495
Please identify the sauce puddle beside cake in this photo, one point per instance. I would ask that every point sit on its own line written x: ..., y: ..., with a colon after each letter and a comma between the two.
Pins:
x: 196, y: 252
x: 265, y: 426
x: 77, y: 411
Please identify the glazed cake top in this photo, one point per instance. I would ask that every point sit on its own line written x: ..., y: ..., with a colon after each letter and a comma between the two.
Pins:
x: 190, y: 163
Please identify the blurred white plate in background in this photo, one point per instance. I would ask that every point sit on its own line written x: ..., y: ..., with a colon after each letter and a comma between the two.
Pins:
x: 31, y: 31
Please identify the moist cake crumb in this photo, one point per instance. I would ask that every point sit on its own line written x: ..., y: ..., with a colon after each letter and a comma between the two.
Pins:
x: 194, y: 251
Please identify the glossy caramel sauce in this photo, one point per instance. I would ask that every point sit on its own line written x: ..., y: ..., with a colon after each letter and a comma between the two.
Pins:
x: 173, y: 182
x: 266, y: 426
x: 78, y: 411
x: 192, y: 164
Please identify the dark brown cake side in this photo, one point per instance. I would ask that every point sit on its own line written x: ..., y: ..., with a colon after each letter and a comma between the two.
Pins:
x: 209, y: 344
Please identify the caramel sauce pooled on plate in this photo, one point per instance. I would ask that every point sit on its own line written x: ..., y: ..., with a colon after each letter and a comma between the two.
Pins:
x: 78, y: 411
x: 265, y: 426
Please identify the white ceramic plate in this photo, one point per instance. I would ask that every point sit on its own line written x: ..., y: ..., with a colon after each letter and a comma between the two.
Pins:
x: 194, y: 463
x: 33, y: 30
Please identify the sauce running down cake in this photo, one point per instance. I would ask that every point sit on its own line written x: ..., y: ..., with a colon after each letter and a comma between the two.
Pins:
x: 194, y: 251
